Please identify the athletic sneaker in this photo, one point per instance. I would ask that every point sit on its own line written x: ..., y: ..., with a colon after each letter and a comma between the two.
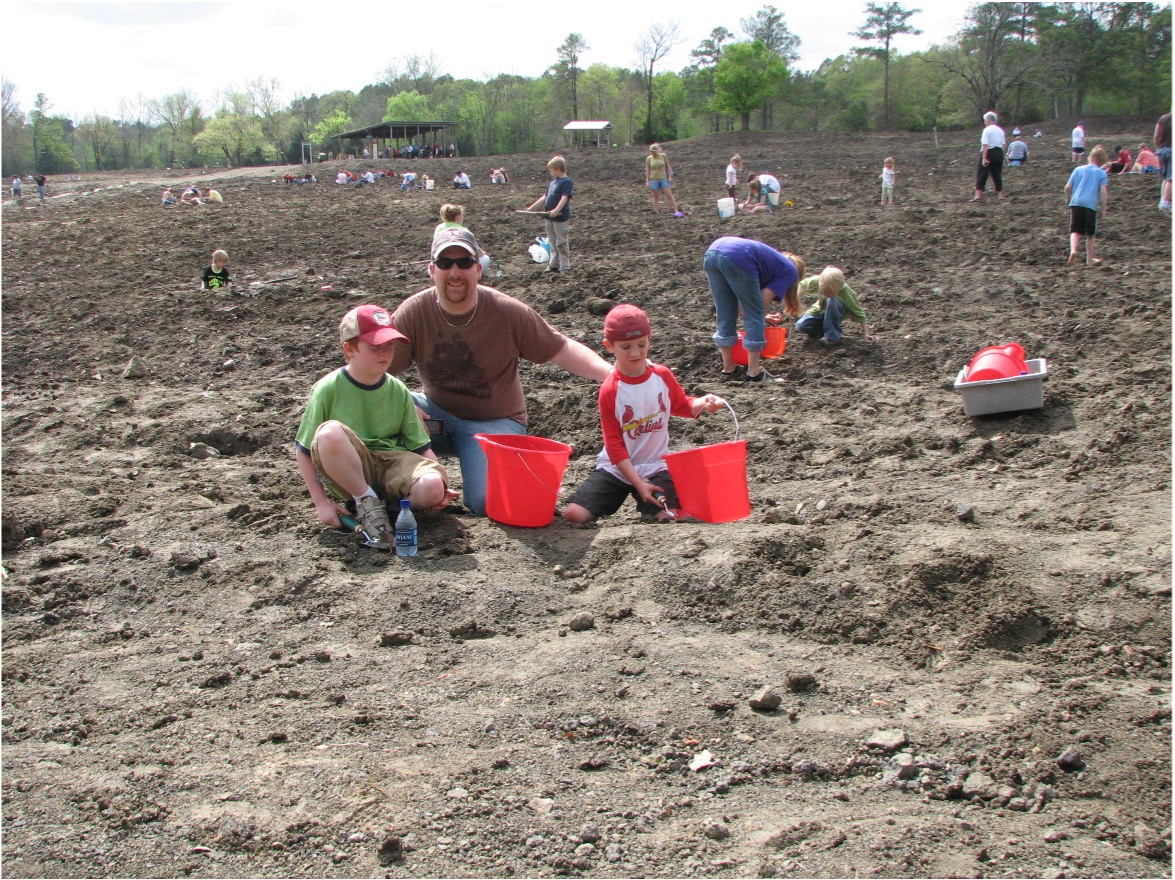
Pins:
x: 678, y: 214
x: 373, y: 517
x: 763, y: 376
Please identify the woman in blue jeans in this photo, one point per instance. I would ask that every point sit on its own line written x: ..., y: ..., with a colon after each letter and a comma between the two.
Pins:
x: 746, y: 277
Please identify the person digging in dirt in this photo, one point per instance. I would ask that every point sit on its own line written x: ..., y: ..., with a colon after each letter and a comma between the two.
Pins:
x: 747, y: 276
x: 215, y: 276
x: 759, y: 188
x: 360, y: 438
x: 834, y: 301
x: 635, y: 401
x: 1087, y: 194
x: 466, y: 340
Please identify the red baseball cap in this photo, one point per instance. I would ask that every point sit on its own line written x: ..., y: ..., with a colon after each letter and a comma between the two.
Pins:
x: 372, y: 324
x: 626, y: 322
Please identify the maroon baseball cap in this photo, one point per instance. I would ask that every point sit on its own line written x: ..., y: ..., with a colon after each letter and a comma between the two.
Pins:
x: 626, y: 322
x: 372, y: 324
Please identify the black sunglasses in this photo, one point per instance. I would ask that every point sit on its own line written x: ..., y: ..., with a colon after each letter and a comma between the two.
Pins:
x: 459, y: 262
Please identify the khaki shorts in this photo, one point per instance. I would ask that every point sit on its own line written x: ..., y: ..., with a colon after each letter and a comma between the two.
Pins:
x: 390, y: 473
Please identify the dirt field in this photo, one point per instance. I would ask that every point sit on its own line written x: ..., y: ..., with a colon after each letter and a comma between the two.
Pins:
x: 966, y: 622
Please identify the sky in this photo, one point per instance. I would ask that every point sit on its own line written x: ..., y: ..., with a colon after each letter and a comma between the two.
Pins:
x: 87, y: 58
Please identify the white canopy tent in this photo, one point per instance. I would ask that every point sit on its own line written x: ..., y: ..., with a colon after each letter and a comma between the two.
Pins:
x: 589, y: 133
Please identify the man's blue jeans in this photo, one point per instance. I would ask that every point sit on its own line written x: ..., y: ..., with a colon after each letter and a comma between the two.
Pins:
x: 458, y: 439
x: 828, y: 326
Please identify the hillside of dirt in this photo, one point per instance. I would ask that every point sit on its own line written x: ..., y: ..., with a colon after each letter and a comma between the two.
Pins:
x: 938, y: 646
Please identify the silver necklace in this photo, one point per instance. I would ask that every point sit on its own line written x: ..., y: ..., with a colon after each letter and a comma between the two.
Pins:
x: 469, y: 320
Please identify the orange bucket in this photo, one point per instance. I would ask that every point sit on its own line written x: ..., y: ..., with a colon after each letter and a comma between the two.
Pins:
x: 524, y: 476
x: 776, y: 345
x: 997, y: 362
x: 711, y: 481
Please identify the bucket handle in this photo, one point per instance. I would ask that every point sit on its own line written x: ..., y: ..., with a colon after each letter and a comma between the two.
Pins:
x: 537, y: 478
x: 734, y: 416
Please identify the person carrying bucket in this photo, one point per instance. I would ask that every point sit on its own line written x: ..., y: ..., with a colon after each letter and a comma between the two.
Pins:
x: 466, y: 341
x: 636, y: 401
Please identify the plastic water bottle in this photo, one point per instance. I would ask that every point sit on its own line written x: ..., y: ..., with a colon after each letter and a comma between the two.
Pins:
x: 406, y: 534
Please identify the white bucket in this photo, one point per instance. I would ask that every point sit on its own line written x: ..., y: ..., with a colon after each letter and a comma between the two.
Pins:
x: 726, y: 207
x: 773, y: 199
x: 428, y: 183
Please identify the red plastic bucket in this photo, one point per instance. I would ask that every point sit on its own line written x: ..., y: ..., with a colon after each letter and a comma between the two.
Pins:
x: 997, y: 362
x: 776, y: 345
x: 711, y: 481
x: 524, y: 476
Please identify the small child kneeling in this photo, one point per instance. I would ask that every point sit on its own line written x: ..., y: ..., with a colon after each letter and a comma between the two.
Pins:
x: 834, y: 301
x: 635, y: 401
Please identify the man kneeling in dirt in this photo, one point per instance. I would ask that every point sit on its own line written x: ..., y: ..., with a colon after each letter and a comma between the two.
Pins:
x: 361, y: 440
x: 466, y: 340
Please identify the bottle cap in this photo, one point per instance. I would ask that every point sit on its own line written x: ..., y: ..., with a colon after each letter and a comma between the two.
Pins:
x: 405, y: 504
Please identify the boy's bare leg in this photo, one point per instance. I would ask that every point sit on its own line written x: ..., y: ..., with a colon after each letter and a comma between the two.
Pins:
x: 1090, y: 259
x: 577, y: 514
x: 428, y: 492
x: 340, y: 462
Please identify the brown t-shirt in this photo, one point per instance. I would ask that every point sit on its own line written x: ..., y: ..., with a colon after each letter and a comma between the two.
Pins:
x: 1163, y: 138
x: 472, y: 371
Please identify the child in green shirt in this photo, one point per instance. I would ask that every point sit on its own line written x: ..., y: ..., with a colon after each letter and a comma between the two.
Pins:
x: 361, y: 440
x: 835, y: 300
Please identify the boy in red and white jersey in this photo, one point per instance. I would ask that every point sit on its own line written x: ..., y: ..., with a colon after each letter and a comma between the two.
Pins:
x: 636, y: 401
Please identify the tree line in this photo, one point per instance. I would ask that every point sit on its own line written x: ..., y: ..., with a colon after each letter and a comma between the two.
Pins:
x: 1028, y: 61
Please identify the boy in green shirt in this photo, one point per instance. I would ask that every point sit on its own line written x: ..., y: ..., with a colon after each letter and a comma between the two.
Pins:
x: 835, y: 300
x: 361, y: 438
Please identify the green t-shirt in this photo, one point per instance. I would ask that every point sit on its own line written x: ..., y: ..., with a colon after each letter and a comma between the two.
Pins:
x: 853, y: 309
x: 383, y: 416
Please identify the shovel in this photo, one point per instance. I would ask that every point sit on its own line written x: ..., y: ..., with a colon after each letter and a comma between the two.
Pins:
x: 367, y: 540
x: 660, y: 496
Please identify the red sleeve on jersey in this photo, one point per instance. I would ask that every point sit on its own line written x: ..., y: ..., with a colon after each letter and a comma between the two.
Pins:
x: 680, y: 403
